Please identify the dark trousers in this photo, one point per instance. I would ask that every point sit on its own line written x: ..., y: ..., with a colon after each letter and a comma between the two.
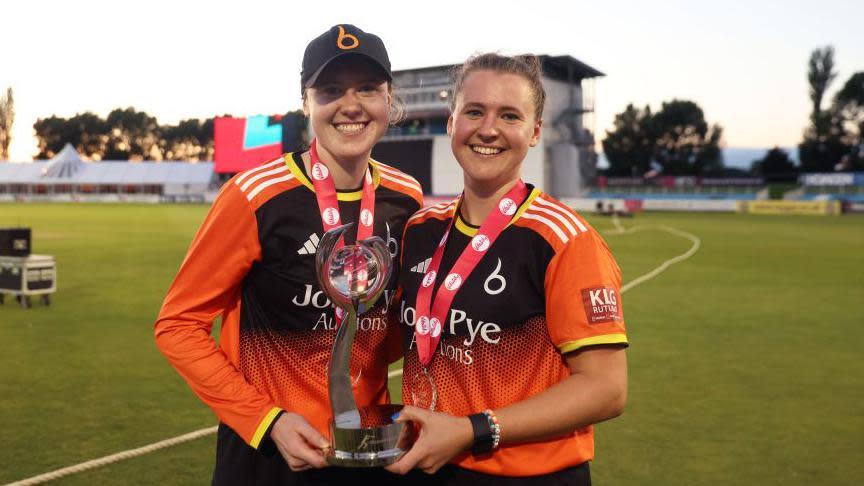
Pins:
x: 238, y: 464
x: 451, y: 475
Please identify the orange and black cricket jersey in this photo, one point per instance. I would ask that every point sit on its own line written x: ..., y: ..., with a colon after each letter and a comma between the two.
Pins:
x: 546, y: 287
x: 252, y: 263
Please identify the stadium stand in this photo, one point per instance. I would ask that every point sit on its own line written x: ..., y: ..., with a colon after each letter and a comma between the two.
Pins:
x: 668, y: 187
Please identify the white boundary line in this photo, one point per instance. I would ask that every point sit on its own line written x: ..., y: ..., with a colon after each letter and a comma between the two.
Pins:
x: 84, y: 466
x: 620, y: 230
x: 59, y: 473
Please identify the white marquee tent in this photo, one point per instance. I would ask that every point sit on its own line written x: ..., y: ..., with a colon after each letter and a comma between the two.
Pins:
x: 67, y: 177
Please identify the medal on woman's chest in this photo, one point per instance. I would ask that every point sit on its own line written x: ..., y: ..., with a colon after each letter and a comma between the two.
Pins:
x: 432, y: 311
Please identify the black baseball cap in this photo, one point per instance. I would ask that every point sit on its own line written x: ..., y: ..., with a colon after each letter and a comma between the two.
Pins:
x: 342, y: 40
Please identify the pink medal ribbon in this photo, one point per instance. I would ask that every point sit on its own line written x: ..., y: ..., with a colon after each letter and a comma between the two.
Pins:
x: 328, y: 204
x: 429, y: 324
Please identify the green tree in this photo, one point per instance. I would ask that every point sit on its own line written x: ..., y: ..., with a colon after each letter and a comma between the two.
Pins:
x: 7, y: 119
x: 126, y: 134
x: 852, y: 91
x: 824, y: 143
x: 87, y: 132
x: 677, y: 138
x: 629, y: 147
x: 849, y: 103
x: 820, y: 75
x: 190, y: 140
x: 775, y: 166
x: 133, y: 135
x: 686, y: 144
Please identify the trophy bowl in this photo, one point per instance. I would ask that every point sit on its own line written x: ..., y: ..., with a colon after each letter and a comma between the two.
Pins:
x: 354, y: 277
x: 371, y: 438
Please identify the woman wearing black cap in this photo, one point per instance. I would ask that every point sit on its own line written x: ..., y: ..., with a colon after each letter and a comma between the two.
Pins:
x: 252, y: 262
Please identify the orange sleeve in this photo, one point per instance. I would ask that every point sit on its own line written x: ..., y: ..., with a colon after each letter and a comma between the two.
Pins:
x: 208, y: 284
x: 583, y: 295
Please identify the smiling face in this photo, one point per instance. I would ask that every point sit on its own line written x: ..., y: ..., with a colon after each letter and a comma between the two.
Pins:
x: 492, y: 126
x: 349, y: 109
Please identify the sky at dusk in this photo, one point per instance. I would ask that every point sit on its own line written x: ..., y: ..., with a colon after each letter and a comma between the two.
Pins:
x: 743, y: 62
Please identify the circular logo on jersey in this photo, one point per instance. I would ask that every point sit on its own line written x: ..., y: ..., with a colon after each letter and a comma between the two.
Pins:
x: 429, y: 278
x: 319, y: 171
x: 507, y: 206
x: 366, y: 217
x: 423, y: 325
x: 330, y: 216
x: 435, y: 327
x: 444, y: 238
x: 480, y: 242
x: 453, y: 281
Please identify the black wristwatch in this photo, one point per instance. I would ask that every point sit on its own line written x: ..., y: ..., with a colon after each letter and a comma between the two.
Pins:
x: 484, y: 442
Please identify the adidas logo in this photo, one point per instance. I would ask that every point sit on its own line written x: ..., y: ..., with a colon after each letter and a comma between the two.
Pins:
x: 422, y: 266
x: 310, y: 246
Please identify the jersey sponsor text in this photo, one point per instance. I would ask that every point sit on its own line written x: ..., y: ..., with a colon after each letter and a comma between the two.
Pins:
x: 601, y: 305
x: 489, y: 332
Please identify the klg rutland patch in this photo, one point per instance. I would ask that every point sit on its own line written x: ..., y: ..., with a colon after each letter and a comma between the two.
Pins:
x: 601, y: 305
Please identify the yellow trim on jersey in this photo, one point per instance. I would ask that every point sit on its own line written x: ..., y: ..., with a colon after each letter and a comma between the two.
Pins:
x: 469, y: 230
x: 463, y: 227
x: 376, y: 172
x: 292, y: 166
x: 581, y: 343
x: 263, y: 426
x: 349, y: 196
x: 340, y: 196
x: 528, y: 200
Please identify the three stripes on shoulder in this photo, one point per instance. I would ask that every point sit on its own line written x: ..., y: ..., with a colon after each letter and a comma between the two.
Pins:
x: 556, y: 216
x: 263, y: 177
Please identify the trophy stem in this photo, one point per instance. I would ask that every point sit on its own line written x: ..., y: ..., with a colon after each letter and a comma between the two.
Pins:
x: 341, y: 393
x: 354, y: 277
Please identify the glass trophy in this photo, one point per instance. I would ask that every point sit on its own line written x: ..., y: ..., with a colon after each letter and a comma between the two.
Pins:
x: 354, y: 277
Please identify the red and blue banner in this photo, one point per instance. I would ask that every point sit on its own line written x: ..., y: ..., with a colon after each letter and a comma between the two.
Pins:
x: 243, y: 143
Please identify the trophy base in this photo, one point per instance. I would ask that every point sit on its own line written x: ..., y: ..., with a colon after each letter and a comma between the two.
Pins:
x: 369, y: 437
